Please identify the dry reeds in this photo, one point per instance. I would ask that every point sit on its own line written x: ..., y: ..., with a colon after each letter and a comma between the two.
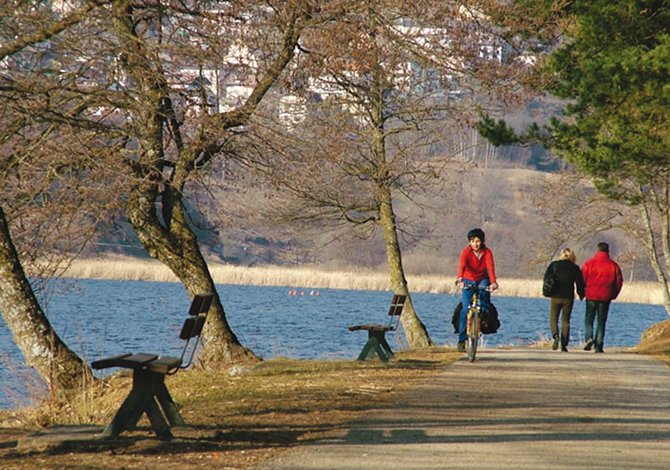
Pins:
x: 122, y: 268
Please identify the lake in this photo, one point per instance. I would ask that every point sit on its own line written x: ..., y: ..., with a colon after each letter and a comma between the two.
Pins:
x: 101, y: 318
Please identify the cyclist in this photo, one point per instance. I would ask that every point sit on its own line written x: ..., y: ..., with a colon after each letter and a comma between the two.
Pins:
x: 475, y: 268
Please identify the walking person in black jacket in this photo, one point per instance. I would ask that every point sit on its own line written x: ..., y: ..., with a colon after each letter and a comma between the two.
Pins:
x: 563, y: 275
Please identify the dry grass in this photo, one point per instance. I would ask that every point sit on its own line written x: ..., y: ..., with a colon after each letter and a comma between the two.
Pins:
x: 150, y: 270
x: 655, y: 341
x: 236, y: 418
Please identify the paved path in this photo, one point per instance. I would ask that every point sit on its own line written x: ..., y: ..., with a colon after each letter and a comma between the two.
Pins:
x: 514, y: 409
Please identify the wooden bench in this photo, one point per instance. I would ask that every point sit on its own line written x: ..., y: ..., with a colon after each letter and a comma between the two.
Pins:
x: 149, y: 394
x: 377, y: 343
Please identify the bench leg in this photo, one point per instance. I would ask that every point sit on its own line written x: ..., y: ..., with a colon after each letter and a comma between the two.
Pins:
x: 383, y: 344
x: 168, y: 405
x: 376, y: 344
x: 158, y: 423
x: 140, y: 400
x: 129, y: 412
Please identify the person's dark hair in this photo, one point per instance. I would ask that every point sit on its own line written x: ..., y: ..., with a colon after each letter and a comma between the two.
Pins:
x: 602, y: 246
x: 476, y: 233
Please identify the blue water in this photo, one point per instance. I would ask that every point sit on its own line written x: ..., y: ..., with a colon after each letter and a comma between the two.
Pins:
x: 100, y: 318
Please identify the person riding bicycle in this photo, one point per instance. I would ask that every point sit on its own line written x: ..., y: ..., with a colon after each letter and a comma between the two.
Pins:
x: 475, y: 268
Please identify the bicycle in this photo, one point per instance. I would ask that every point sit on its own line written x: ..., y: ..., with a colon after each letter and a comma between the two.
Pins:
x: 474, y: 321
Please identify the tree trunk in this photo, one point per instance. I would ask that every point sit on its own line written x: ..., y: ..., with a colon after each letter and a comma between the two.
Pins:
x: 62, y: 370
x: 650, y: 246
x: 177, y: 247
x: 169, y: 238
x: 415, y: 331
x: 665, y: 238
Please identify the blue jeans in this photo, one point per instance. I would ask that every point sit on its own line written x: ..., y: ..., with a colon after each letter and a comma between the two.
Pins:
x: 596, y: 310
x: 466, y: 298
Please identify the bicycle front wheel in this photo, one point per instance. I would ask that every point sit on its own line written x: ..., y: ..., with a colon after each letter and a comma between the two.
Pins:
x: 473, y: 337
x: 472, y: 348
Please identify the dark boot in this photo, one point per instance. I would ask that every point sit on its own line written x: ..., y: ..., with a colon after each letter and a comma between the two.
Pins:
x: 554, y: 345
x: 564, y: 344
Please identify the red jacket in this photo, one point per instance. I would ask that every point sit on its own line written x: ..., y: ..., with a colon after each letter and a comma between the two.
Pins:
x: 602, y: 277
x: 475, y: 269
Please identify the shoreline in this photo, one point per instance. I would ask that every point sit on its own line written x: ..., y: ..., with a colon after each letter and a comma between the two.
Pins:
x: 127, y: 268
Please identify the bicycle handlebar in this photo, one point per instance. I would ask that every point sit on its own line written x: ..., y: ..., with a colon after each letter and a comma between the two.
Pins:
x: 473, y: 286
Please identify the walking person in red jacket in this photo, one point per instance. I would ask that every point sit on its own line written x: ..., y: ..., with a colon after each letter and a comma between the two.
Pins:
x: 603, y: 280
x: 475, y: 268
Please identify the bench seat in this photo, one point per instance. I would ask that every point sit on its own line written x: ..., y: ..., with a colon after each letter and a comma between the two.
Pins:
x: 383, y: 328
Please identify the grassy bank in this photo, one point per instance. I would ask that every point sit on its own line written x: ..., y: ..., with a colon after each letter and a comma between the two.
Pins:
x: 309, y: 278
x: 236, y: 419
x: 239, y: 418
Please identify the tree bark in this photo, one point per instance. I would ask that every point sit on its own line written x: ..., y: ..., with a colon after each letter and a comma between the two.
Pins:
x: 62, y: 370
x: 415, y: 331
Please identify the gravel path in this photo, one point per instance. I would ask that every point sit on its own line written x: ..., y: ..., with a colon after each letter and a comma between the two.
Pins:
x: 514, y: 409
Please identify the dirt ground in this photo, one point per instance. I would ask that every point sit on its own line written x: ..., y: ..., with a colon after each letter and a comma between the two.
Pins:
x: 512, y: 409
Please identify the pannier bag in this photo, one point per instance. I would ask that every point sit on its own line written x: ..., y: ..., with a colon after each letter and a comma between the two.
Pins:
x: 489, y: 319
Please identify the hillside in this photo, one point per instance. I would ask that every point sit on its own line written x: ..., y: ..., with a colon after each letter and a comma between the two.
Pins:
x: 512, y: 205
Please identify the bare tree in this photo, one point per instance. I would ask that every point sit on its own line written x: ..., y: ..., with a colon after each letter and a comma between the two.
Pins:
x: 572, y: 211
x: 167, y: 146
x: 42, y: 222
x: 156, y: 82
x: 369, y: 120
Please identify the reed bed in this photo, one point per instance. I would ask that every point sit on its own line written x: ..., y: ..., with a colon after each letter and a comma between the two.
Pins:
x: 122, y: 268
